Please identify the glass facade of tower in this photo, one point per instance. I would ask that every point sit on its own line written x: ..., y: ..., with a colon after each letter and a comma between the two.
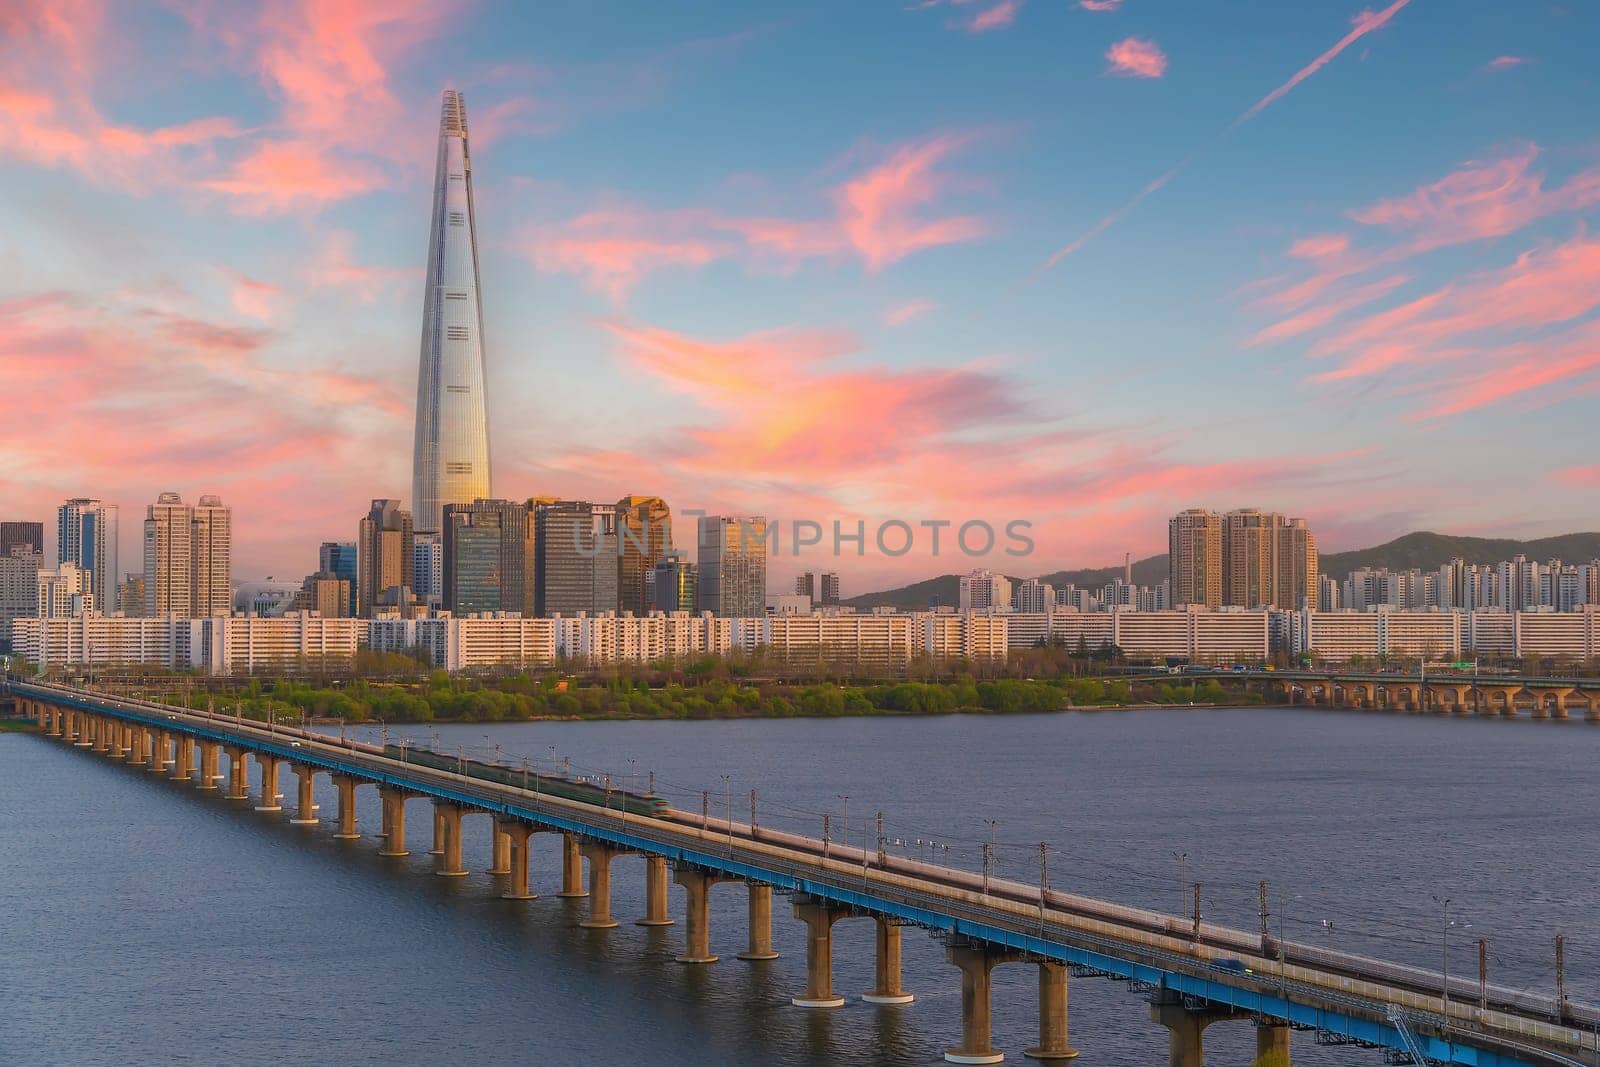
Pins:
x: 451, y: 458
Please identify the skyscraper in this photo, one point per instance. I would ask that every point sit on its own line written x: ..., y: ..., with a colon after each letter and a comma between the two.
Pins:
x: 212, y: 545
x: 644, y: 536
x: 489, y: 560
x: 1194, y: 556
x: 87, y: 535
x: 674, y: 584
x: 451, y: 457
x: 384, y: 561
x: 28, y: 536
x: 338, y: 558
x: 733, y: 565
x: 188, y: 557
x: 576, y: 544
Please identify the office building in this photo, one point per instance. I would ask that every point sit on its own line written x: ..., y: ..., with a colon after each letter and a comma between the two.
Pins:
x: 488, y: 560
x: 86, y: 535
x: 451, y: 454
x: 338, y: 558
x: 575, y: 544
x: 27, y: 536
x: 384, y: 560
x: 19, y: 590
x: 830, y: 588
x: 674, y: 585
x: 644, y: 536
x: 733, y: 565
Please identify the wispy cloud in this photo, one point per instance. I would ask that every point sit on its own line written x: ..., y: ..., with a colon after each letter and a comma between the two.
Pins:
x: 1505, y: 62
x: 1136, y: 57
x: 1100, y: 5
x: 901, y: 314
x: 997, y: 17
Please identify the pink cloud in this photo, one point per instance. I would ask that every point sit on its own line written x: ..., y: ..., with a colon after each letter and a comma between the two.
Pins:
x: 1318, y: 316
x: 1581, y: 477
x: 881, y: 216
x: 1136, y: 57
x: 1320, y: 246
x: 1505, y: 62
x: 334, y: 266
x: 1100, y: 5
x: 254, y: 298
x: 1362, y: 25
x: 901, y: 314
x: 997, y: 17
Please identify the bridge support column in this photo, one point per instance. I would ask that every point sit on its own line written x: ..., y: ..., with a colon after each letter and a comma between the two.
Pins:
x: 238, y: 774
x: 83, y: 729
x: 696, y: 914
x: 306, y: 811
x: 393, y: 803
x: 1053, y: 1044
x: 347, y: 808
x: 210, y: 762
x: 438, y: 832
x: 819, y: 920
x: 760, y: 924
x: 599, y: 857
x: 500, y: 862
x: 1272, y: 1045
x: 269, y: 782
x: 976, y: 963
x: 183, y: 769
x: 517, y: 835
x: 451, y: 866
x: 1593, y: 714
x: 1185, y: 1047
x: 886, y: 986
x: 116, y: 746
x: 102, y: 734
x: 161, y: 752
x: 571, y: 869
x: 655, y: 893
x: 58, y: 722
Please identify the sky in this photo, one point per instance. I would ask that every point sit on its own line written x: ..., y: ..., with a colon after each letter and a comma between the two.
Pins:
x: 1073, y: 263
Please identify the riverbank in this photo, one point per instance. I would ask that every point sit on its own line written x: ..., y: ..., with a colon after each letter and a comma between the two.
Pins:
x: 17, y: 726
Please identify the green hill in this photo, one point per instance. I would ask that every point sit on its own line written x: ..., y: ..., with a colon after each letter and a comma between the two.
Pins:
x: 1425, y: 549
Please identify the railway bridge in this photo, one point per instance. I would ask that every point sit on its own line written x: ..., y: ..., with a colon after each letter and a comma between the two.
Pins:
x: 1492, y: 695
x: 1194, y: 974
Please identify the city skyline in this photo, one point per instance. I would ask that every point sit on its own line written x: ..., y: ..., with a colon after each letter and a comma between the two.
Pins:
x: 955, y: 307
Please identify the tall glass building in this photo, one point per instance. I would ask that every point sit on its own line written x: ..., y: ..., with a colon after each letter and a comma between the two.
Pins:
x: 86, y: 534
x: 451, y: 459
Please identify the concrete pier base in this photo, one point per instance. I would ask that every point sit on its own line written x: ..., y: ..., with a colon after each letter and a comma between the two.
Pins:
x: 571, y: 869
x: 269, y: 783
x: 1272, y: 1046
x: 655, y: 893
x: 696, y: 914
x: 347, y: 808
x: 1052, y: 1044
x: 306, y: 809
x: 886, y: 988
x: 599, y: 856
x: 210, y: 765
x: 438, y: 833
x: 499, y: 852
x: 238, y: 774
x: 1185, y: 1045
x: 183, y: 766
x: 760, y: 924
x: 976, y: 963
x: 819, y: 920
x: 517, y: 836
x: 451, y: 866
x: 394, y: 822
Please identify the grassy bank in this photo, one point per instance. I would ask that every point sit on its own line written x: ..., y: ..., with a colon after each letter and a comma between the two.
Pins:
x: 17, y: 726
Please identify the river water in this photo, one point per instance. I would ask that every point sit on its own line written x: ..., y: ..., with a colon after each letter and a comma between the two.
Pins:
x: 142, y: 920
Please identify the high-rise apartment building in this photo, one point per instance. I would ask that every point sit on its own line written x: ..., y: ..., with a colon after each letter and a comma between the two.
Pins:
x: 644, y: 536
x: 674, y: 584
x: 28, y: 536
x: 130, y: 595
x: 338, y: 558
x: 64, y: 592
x: 984, y: 591
x: 806, y: 585
x: 733, y: 565
x: 489, y: 561
x: 1034, y: 596
x: 1194, y: 557
x: 1268, y: 561
x: 830, y: 587
x: 384, y: 560
x: 86, y: 535
x: 19, y: 590
x: 576, y: 552
x: 450, y: 463
x: 427, y: 568
x: 169, y: 557
x: 212, y: 541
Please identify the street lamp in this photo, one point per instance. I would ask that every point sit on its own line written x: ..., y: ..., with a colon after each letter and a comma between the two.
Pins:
x: 1182, y: 859
x: 844, y: 798
x: 1444, y: 923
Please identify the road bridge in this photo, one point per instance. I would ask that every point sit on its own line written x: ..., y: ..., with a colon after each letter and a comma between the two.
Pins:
x: 1194, y: 974
x: 1493, y: 695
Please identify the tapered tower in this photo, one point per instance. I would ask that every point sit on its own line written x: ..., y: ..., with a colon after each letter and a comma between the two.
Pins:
x: 451, y: 460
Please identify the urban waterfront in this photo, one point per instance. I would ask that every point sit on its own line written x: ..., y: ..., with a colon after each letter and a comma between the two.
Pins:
x: 166, y: 924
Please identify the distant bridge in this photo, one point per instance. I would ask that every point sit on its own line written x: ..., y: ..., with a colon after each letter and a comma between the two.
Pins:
x: 1462, y: 694
x: 1194, y: 974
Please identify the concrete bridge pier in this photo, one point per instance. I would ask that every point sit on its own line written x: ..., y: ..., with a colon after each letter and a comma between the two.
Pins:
x: 1593, y: 714
x: 438, y: 832
x: 238, y: 774
x: 82, y: 728
x: 759, y: 924
x: 393, y: 805
x: 102, y: 735
x: 138, y: 745
x: 1185, y: 1047
x: 655, y: 893
x: 1272, y: 1045
x: 517, y: 835
x: 269, y: 782
x: 500, y: 853
x: 450, y: 866
x: 1052, y: 1046
x: 819, y: 920
x: 160, y: 752
x: 306, y: 809
x: 886, y: 988
x: 58, y: 722
x: 976, y: 963
x: 115, y: 747
x: 183, y: 767
x: 347, y: 808
x: 571, y: 869
x: 599, y: 856
x: 210, y: 764
x: 696, y: 914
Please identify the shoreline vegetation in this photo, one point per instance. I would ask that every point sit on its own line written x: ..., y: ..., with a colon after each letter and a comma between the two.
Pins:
x: 712, y: 688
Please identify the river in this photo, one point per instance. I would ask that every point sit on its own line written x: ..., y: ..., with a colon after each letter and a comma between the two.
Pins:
x: 142, y: 920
